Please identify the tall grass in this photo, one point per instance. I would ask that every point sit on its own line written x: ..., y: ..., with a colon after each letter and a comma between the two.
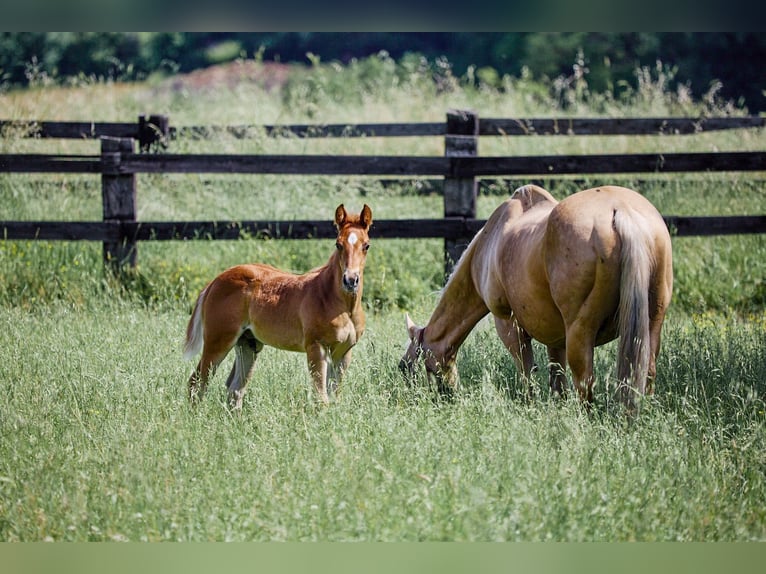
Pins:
x: 98, y: 442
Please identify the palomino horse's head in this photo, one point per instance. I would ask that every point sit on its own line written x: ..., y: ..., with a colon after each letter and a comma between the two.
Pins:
x: 443, y: 373
x: 352, y: 244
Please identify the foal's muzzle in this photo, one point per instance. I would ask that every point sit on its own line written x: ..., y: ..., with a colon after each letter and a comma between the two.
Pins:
x: 350, y: 282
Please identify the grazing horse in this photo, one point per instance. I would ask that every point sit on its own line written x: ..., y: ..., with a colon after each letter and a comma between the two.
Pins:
x: 573, y: 275
x: 318, y: 313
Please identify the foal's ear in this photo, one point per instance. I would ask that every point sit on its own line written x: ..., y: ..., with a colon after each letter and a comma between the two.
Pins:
x: 412, y: 328
x: 365, y: 218
x: 340, y: 216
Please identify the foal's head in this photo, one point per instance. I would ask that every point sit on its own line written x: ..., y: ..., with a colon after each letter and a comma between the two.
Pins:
x: 352, y: 244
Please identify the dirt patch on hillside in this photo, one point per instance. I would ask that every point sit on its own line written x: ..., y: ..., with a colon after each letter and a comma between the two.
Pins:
x: 269, y: 75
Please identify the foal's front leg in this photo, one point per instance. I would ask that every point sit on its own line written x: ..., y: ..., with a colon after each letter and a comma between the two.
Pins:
x: 336, y: 373
x: 317, y: 360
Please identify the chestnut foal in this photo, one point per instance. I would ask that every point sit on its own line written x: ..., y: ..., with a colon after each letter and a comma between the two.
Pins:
x: 318, y: 313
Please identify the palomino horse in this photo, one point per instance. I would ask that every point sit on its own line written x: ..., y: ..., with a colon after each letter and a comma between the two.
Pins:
x: 318, y: 313
x: 573, y: 275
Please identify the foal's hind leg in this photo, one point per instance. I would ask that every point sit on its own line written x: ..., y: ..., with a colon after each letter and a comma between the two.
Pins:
x: 213, y: 352
x: 199, y: 378
x: 247, y: 349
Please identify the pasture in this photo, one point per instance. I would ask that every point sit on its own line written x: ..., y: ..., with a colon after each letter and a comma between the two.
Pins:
x: 98, y: 443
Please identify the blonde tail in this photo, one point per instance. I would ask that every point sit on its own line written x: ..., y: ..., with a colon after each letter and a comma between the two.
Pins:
x: 194, y: 333
x: 636, y: 270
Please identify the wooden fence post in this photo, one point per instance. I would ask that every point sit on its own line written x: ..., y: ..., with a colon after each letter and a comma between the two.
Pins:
x: 118, y: 192
x: 461, y: 140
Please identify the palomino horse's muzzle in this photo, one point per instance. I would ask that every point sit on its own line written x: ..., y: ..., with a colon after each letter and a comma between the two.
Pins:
x: 407, y: 369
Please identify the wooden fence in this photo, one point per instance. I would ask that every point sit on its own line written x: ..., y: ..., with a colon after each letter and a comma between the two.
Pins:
x: 460, y: 169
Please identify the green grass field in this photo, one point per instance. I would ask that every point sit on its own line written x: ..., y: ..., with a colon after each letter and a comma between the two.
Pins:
x: 97, y: 441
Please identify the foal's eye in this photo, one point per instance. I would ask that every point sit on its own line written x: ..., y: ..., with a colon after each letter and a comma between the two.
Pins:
x: 338, y: 245
x: 366, y: 247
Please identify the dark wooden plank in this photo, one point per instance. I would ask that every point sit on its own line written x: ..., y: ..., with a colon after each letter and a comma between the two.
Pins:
x: 61, y: 230
x: 71, y: 130
x: 40, y: 163
x: 414, y: 129
x: 461, y: 167
x: 447, y: 228
x: 455, y: 227
x: 175, y: 230
x: 614, y: 126
x: 286, y: 164
x: 610, y: 163
x: 687, y: 226
x: 487, y: 126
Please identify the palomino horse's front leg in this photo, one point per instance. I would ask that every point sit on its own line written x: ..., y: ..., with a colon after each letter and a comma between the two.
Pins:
x: 317, y: 360
x: 519, y: 345
x: 557, y: 371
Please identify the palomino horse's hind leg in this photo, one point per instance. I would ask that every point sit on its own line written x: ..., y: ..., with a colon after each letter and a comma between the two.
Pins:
x: 247, y: 349
x: 580, y: 338
x: 584, y: 314
x: 655, y: 327
x: 519, y: 345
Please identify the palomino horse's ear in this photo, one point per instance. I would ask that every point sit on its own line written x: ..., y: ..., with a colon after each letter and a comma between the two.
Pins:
x: 340, y: 216
x: 412, y: 328
x: 365, y: 218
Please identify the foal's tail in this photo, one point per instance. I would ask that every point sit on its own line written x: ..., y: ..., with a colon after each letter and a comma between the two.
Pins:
x: 636, y: 263
x: 193, y: 344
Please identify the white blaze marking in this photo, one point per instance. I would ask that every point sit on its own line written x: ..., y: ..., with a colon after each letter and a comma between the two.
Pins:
x: 352, y: 238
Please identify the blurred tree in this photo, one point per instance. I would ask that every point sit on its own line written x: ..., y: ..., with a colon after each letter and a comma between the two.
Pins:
x: 609, y: 59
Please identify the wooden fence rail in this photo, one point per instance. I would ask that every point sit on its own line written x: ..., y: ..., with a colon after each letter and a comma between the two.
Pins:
x: 459, y: 168
x: 154, y: 128
x: 447, y: 228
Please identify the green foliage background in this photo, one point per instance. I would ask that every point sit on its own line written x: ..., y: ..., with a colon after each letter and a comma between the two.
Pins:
x: 701, y: 60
